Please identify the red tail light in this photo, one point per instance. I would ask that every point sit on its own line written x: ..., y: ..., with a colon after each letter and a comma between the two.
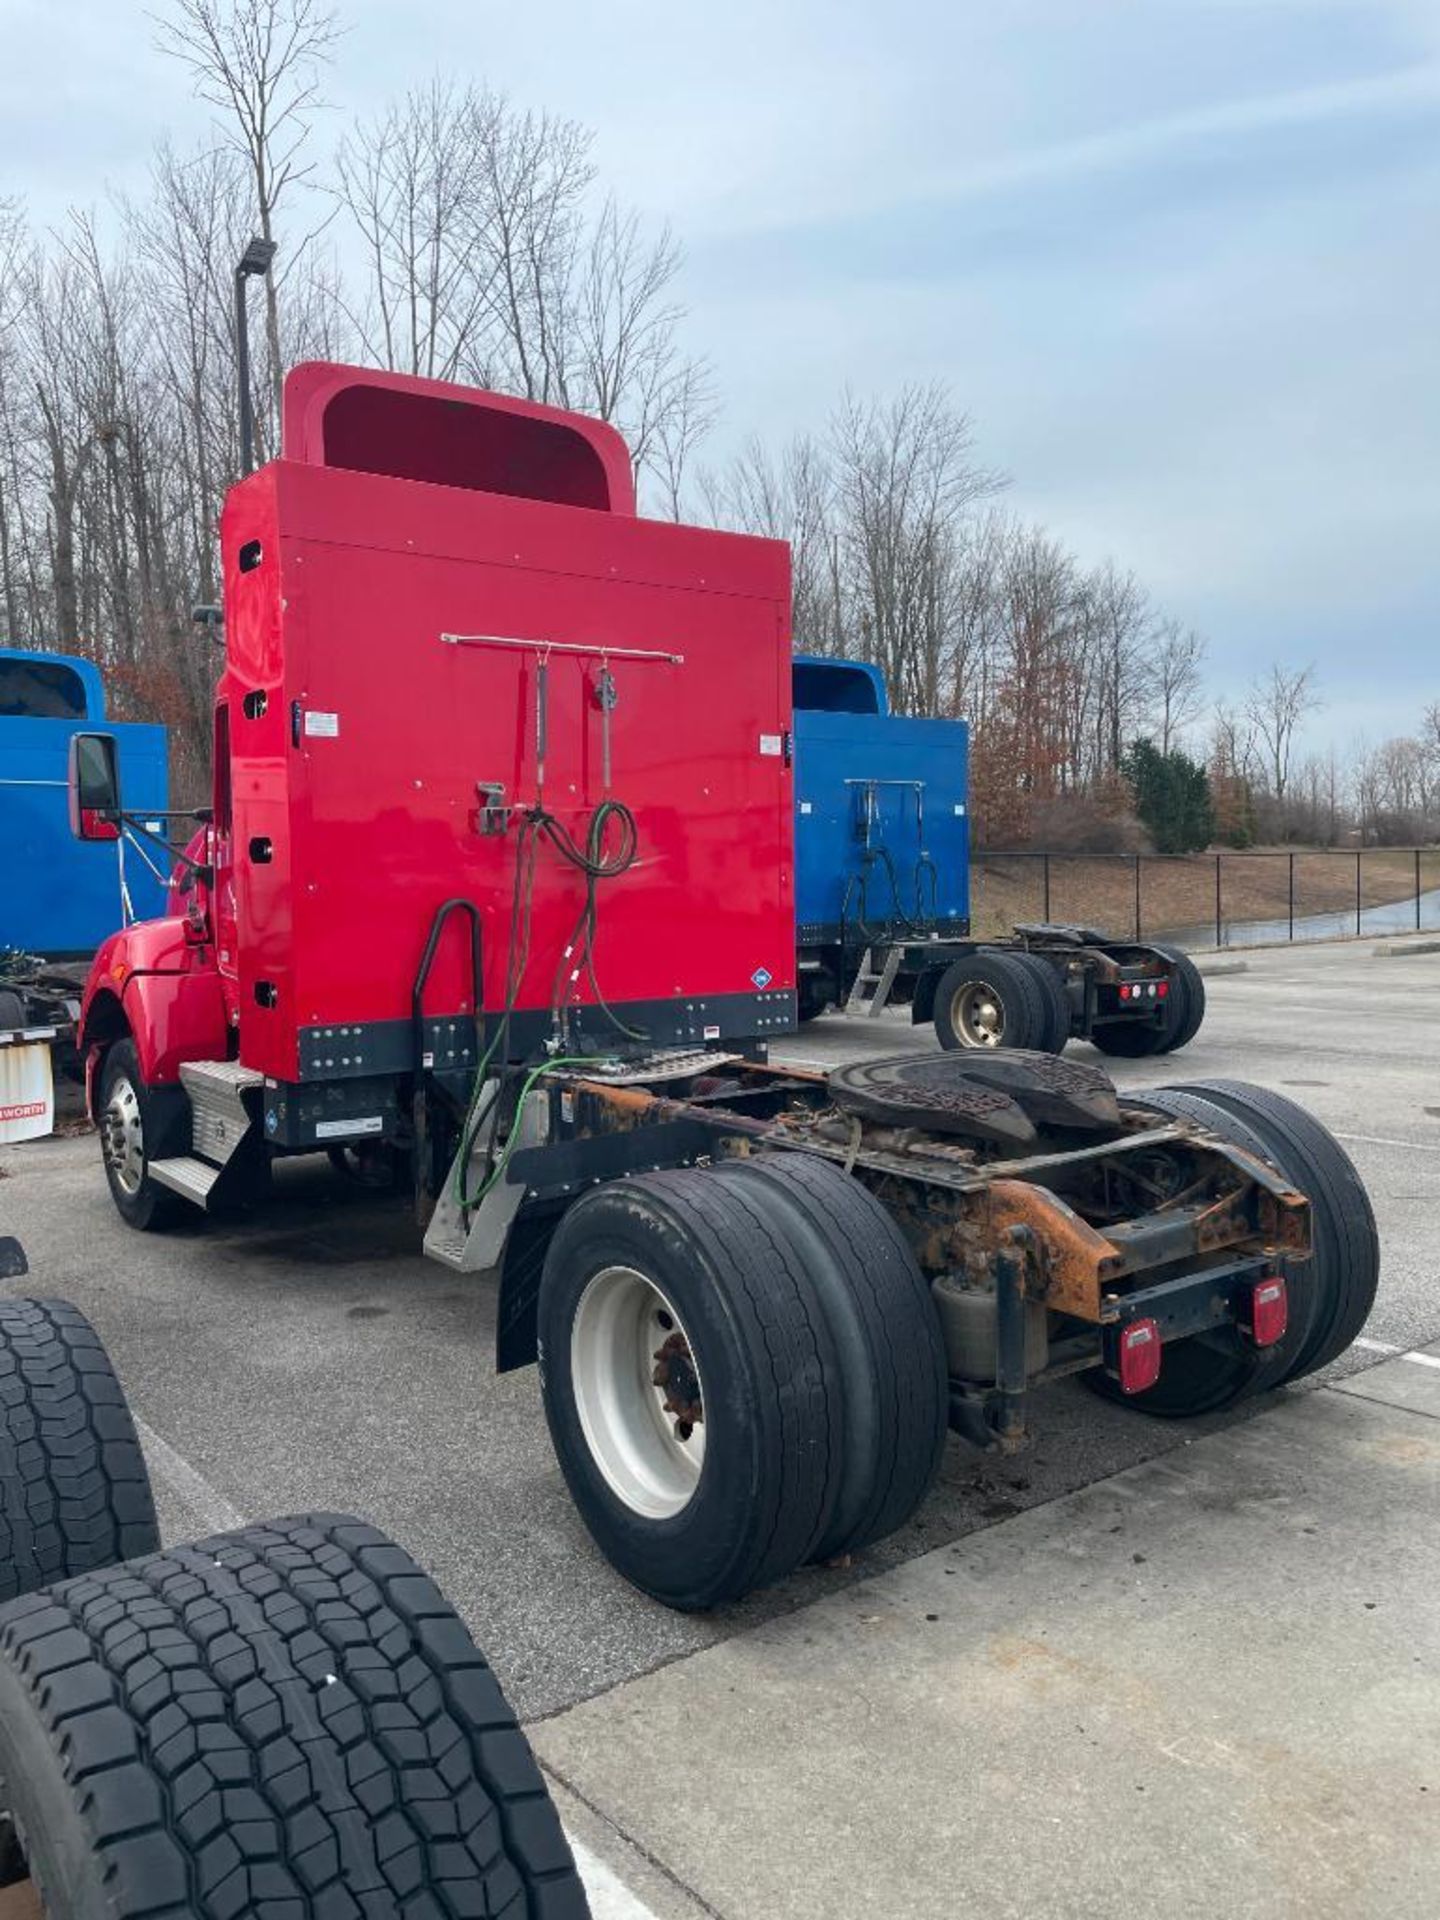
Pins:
x: 1162, y: 990
x: 1138, y: 1352
x: 1269, y: 1310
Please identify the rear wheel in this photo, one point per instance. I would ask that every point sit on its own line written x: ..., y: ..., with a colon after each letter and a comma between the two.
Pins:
x: 74, y: 1493
x: 1178, y: 1024
x: 1211, y: 1371
x: 889, y: 1348
x: 135, y: 1120
x: 1344, y: 1265
x: 1189, y: 982
x: 987, y: 999
x: 1052, y: 994
x: 288, y: 1719
x: 690, y: 1384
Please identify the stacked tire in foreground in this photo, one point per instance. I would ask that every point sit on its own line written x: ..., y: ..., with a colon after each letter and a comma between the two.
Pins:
x: 287, y: 1720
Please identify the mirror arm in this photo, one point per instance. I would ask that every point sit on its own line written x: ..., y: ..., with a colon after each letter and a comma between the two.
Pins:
x: 201, y: 869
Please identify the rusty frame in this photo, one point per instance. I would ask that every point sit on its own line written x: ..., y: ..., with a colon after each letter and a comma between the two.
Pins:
x: 960, y: 1211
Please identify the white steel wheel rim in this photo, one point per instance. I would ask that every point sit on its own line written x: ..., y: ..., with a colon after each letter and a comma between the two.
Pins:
x: 123, y: 1136
x: 977, y: 1014
x: 632, y: 1370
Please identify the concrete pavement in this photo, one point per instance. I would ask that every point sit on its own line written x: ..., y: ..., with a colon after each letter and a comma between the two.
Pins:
x: 1208, y: 1685
x: 309, y: 1357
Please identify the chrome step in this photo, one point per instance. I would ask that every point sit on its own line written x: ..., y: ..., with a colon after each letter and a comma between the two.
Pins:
x: 219, y: 1119
x: 186, y: 1175
x: 472, y: 1240
x: 880, y: 979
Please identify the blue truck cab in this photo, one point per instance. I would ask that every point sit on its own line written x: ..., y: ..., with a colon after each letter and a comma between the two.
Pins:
x: 60, y: 896
x: 882, y: 895
x: 882, y: 833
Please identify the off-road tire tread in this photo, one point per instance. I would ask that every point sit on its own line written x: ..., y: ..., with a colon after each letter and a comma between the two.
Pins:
x: 74, y: 1492
x: 287, y: 1722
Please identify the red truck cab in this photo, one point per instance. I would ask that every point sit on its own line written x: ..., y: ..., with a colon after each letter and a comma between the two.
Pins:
x: 459, y: 667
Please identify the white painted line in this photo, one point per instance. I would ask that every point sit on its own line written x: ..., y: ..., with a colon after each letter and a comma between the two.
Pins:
x: 1398, y: 1353
x: 1382, y: 1140
x: 610, y: 1898
x: 215, y: 1512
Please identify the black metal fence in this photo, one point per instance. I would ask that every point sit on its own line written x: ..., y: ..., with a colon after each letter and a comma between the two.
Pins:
x: 1260, y: 898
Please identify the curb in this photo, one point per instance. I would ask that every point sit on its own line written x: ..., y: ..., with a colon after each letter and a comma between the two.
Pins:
x: 1402, y: 947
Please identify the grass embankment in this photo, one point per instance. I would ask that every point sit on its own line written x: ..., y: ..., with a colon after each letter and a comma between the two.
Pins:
x: 1180, y: 893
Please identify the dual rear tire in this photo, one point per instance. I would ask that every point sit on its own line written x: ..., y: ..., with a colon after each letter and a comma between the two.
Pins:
x: 1330, y: 1294
x: 743, y: 1371
x: 1180, y: 1022
x: 995, y: 998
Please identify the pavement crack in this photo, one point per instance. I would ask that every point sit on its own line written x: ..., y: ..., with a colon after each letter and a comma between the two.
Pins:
x: 628, y: 1839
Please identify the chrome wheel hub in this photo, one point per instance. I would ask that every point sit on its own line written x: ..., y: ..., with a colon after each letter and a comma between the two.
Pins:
x: 638, y: 1392
x: 122, y: 1136
x: 977, y: 1015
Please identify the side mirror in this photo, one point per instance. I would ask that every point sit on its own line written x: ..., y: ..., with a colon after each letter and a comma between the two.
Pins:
x: 94, y: 787
x: 210, y: 620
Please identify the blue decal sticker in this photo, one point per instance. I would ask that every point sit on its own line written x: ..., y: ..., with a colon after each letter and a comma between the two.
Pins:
x: 762, y: 977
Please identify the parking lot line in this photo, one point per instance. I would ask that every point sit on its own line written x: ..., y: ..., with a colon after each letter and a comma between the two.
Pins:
x: 1384, y: 1140
x: 1398, y: 1353
x: 214, y: 1511
x: 610, y: 1898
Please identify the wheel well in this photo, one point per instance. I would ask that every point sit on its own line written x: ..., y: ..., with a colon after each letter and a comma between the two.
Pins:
x: 922, y: 1004
x: 105, y: 1023
x: 516, y: 1336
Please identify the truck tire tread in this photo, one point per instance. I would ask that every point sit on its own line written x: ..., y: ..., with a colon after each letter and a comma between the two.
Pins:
x: 764, y: 1351
x: 74, y: 1491
x: 288, y: 1719
x: 888, y: 1340
x: 1346, y: 1257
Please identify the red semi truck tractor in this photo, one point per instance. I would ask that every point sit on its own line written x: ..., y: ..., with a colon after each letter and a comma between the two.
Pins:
x: 497, y: 890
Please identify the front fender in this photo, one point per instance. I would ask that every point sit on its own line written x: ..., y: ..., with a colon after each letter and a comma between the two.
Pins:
x: 151, y: 982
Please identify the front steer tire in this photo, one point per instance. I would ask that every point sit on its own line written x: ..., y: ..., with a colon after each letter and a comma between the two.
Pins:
x: 74, y: 1492
x: 678, y: 1287
x: 286, y: 1721
x: 138, y: 1124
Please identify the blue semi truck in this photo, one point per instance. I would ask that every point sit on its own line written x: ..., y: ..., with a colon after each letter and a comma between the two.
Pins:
x: 60, y: 896
x: 882, y: 895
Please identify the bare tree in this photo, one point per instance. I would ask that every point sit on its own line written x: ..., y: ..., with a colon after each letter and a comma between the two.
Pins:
x: 905, y: 481
x: 1275, y: 706
x: 259, y: 62
x: 488, y: 260
x: 411, y: 182
x: 1177, y: 679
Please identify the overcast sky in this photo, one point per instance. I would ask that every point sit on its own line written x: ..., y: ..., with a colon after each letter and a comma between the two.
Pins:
x: 1178, y: 258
